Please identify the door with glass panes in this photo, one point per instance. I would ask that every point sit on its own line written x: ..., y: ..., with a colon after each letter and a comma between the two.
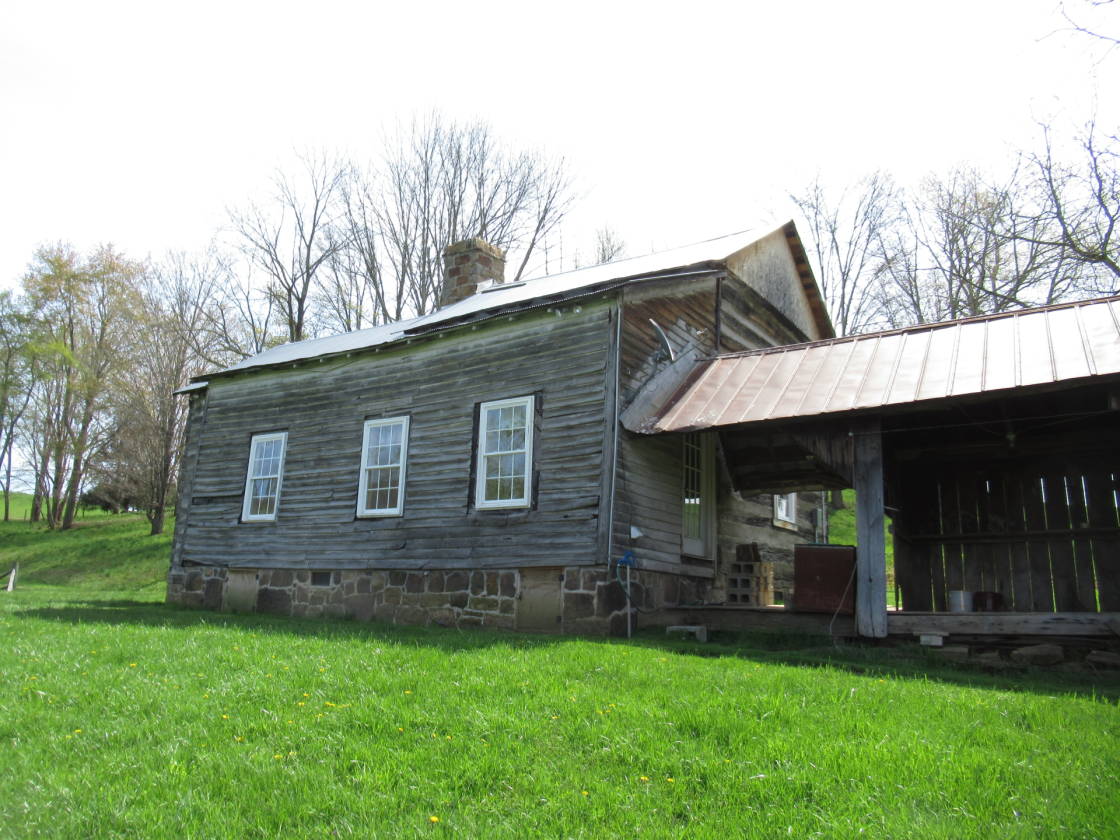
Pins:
x: 697, y: 495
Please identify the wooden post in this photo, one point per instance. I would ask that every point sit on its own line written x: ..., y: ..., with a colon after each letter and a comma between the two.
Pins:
x: 871, y: 550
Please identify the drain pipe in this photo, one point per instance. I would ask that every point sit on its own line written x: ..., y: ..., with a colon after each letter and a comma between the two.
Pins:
x: 627, y: 561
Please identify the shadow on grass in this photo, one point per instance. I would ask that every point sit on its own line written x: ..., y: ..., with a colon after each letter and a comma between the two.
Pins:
x: 907, y: 661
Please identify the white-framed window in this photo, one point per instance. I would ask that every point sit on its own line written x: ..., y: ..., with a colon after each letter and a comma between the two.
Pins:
x: 264, y: 476
x: 785, y: 509
x: 384, y: 461
x: 505, y: 453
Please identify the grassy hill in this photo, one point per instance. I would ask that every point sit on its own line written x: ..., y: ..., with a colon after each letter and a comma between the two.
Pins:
x: 842, y: 531
x: 122, y: 717
x: 104, y: 551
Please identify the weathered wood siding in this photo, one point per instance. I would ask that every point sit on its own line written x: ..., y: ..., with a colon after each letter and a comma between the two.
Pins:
x: 561, y: 355
x: 768, y: 267
x: 684, y: 309
x: 748, y: 322
x: 196, y: 422
x: 648, y: 487
x: 693, y: 313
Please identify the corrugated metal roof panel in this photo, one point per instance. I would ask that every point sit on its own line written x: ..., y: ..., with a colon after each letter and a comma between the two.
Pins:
x: 928, y: 362
x: 503, y: 296
x: 1070, y: 360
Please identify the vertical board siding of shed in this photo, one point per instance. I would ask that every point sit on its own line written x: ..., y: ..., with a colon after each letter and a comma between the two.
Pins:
x: 1100, y: 502
x: 438, y: 383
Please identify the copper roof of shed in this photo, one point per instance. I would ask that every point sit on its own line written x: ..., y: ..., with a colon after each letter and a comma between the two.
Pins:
x: 1031, y: 347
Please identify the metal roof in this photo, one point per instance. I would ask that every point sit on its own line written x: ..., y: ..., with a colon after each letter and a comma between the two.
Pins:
x: 522, y: 294
x: 1010, y: 350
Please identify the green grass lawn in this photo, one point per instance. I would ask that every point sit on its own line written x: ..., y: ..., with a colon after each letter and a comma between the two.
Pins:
x: 842, y: 531
x: 104, y: 551
x: 123, y: 717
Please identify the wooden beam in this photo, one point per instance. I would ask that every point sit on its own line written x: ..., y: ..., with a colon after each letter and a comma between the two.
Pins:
x: 1012, y: 624
x: 871, y: 552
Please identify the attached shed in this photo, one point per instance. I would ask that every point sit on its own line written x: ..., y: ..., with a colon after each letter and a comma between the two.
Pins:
x: 993, y: 443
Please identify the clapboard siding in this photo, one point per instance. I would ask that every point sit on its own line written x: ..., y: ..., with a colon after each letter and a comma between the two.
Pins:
x: 694, y: 313
x: 560, y: 358
x: 684, y: 309
x: 648, y: 484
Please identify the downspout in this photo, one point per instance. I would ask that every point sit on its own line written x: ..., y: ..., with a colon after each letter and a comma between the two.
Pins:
x: 614, y: 433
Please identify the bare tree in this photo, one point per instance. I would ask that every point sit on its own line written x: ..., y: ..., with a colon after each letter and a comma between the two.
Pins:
x: 444, y: 182
x: 847, y: 234
x: 226, y: 319
x: 358, y: 292
x: 1082, y: 29
x: 145, y: 439
x: 967, y: 246
x: 291, y: 239
x: 608, y: 245
x: 1081, y: 205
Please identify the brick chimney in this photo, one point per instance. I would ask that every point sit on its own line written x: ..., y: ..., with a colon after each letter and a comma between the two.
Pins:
x: 468, y: 265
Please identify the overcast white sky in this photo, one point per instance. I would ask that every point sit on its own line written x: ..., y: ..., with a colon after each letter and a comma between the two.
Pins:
x: 140, y: 123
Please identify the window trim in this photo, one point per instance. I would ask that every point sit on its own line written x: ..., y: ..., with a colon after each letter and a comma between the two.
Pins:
x: 363, y: 468
x: 789, y: 521
x: 254, y: 442
x: 480, y: 501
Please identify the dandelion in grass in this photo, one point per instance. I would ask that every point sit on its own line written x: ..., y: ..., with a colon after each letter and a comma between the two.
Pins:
x: 225, y: 717
x: 585, y: 793
x: 670, y: 779
x: 643, y: 778
x: 77, y: 732
x: 407, y: 691
x: 433, y: 819
x: 278, y: 756
x: 131, y: 664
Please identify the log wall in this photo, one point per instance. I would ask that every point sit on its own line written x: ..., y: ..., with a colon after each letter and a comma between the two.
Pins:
x: 561, y: 355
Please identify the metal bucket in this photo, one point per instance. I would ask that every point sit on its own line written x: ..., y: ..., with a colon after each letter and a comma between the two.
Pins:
x: 960, y: 600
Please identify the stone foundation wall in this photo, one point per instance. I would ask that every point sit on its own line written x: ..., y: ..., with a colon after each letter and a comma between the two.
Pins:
x: 595, y: 602
x: 590, y: 600
x: 198, y: 586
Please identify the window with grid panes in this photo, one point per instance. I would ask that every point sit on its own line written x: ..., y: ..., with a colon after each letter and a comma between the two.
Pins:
x: 263, y: 477
x: 384, y: 459
x: 697, y: 494
x: 505, y: 450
